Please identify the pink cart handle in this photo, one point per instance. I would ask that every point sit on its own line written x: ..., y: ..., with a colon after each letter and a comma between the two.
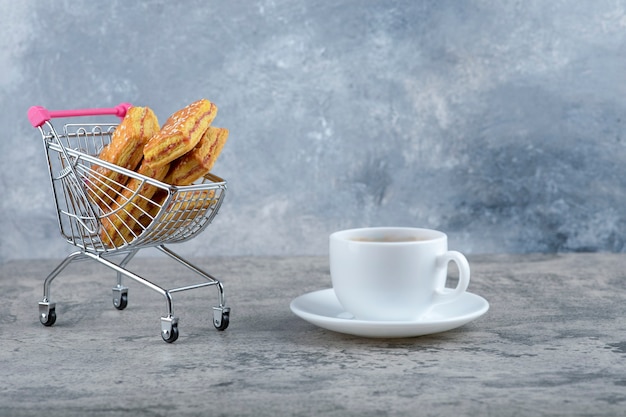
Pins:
x: 38, y: 115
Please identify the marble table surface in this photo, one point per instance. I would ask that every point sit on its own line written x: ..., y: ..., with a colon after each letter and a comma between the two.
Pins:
x: 552, y: 343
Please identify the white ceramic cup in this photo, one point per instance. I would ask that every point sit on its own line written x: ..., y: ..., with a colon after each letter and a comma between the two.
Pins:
x: 393, y: 273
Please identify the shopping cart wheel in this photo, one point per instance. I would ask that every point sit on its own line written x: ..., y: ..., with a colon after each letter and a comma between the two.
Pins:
x: 173, y: 335
x: 221, y: 317
x: 50, y: 319
x: 47, y: 313
x: 120, y: 297
x: 169, y: 329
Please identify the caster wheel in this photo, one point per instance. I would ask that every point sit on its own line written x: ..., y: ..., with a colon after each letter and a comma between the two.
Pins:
x: 172, y: 336
x: 49, y: 319
x: 122, y: 302
x: 224, y: 322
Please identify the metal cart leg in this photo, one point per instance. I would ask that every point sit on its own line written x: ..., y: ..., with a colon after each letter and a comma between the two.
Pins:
x: 221, y: 313
x: 169, y: 323
x: 120, y: 292
x: 47, y: 309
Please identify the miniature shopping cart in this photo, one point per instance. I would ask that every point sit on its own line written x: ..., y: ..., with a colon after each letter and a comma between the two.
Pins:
x: 172, y: 214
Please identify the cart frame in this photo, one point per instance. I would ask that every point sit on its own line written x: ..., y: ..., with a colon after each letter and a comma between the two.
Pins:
x: 137, y: 222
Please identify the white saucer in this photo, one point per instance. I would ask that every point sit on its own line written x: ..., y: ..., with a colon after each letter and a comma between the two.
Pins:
x: 323, y: 309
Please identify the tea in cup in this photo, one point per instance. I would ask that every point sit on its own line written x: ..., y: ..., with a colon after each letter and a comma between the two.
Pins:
x: 393, y: 273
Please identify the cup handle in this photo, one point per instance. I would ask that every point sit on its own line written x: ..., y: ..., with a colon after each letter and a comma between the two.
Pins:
x: 464, y: 275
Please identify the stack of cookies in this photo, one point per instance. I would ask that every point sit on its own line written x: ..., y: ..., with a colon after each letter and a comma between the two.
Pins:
x: 182, y: 151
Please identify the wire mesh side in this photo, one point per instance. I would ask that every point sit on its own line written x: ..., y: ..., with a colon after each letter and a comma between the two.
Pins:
x: 103, y: 207
x: 186, y: 212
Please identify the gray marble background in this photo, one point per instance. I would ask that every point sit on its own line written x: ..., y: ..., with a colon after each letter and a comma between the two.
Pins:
x: 498, y: 122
